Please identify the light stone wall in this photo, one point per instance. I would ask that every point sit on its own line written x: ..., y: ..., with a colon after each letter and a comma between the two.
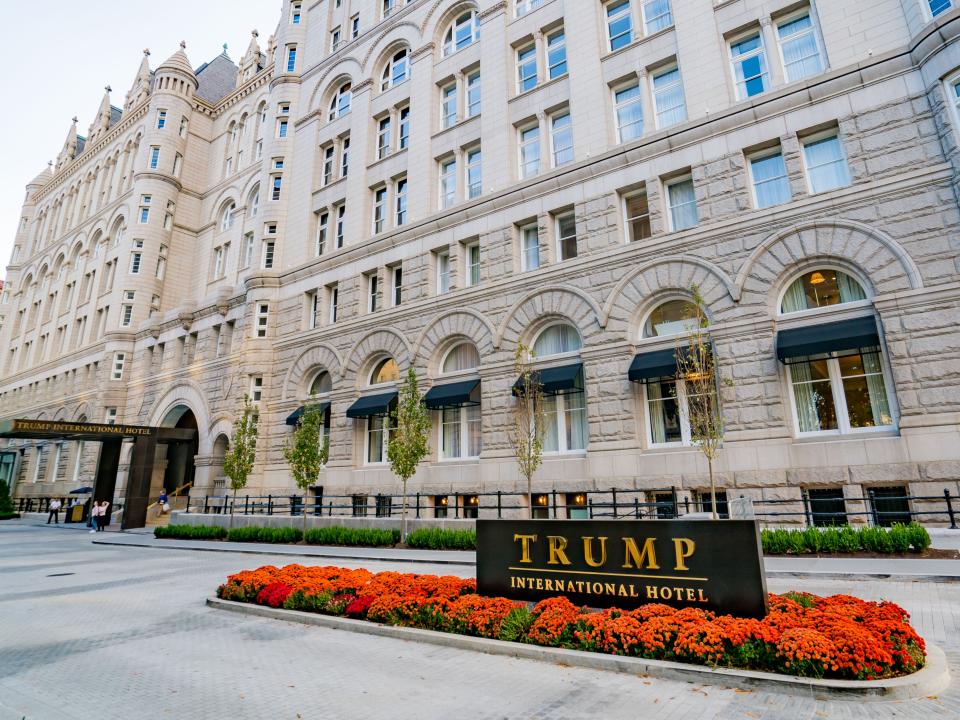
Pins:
x: 894, y: 228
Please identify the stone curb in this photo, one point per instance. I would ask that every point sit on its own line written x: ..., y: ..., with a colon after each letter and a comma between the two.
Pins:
x: 932, y: 679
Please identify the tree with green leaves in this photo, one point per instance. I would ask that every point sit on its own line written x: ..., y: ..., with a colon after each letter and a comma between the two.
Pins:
x: 410, y: 441
x: 7, y: 510
x: 307, y: 451
x: 240, y: 456
x: 526, y: 427
x: 697, y: 369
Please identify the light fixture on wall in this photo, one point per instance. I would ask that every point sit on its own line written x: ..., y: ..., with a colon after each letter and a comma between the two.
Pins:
x: 817, y: 278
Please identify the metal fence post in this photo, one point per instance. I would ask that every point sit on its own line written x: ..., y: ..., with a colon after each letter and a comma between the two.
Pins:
x: 676, y: 509
x: 806, y: 509
x: 953, y: 519
x: 614, y: 491
x: 269, y: 504
x: 554, y: 508
x: 590, y: 507
x: 206, y: 504
x: 418, y: 506
x: 636, y: 508
x: 499, y: 504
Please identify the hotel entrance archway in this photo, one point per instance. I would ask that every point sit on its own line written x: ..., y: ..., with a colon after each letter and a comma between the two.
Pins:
x: 181, y: 469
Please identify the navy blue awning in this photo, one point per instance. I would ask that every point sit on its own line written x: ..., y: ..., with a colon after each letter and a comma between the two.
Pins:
x: 371, y: 405
x: 451, y: 394
x: 827, y: 337
x: 653, y: 364
x: 294, y: 417
x: 554, y: 380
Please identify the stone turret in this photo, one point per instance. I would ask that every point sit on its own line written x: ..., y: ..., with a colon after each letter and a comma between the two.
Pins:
x: 141, y: 87
x: 252, y: 61
x: 69, y: 150
x: 101, y: 123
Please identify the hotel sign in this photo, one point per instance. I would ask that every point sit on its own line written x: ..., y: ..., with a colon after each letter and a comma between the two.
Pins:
x: 77, y: 428
x: 711, y: 564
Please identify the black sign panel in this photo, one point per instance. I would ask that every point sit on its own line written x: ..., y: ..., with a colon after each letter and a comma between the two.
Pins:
x: 711, y: 564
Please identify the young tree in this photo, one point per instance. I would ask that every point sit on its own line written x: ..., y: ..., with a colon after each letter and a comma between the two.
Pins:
x: 697, y: 369
x: 239, y: 459
x: 307, y: 452
x: 526, y: 428
x: 7, y: 510
x: 409, y: 444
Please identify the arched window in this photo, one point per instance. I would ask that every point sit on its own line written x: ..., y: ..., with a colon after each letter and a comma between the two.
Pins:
x: 321, y: 384
x: 461, y: 357
x: 463, y: 31
x: 557, y: 339
x: 340, y: 104
x: 397, y: 70
x: 253, y: 201
x: 671, y: 318
x: 228, y: 216
x: 821, y: 288
x: 386, y: 371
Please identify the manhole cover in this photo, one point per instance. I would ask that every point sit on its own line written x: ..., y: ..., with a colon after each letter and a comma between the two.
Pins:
x: 61, y: 574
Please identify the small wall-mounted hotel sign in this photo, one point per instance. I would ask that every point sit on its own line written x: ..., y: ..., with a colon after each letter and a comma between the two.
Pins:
x: 711, y: 564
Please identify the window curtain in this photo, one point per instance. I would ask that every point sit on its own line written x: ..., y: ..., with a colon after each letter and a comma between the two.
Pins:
x: 795, y: 298
x: 826, y: 164
x: 683, y: 205
x: 474, y: 430
x: 877, y: 389
x: 555, y: 340
x: 770, y: 181
x: 658, y: 431
x: 800, y: 54
x: 451, y: 432
x: 850, y: 289
x: 549, y: 437
x: 805, y: 397
x: 576, y: 421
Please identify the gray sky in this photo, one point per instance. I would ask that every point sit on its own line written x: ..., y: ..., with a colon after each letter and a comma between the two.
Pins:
x: 59, y: 67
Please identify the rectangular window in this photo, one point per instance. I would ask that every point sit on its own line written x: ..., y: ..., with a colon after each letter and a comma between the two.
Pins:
x: 448, y: 105
x: 154, y: 157
x: 526, y: 68
x: 291, y: 58
x: 322, y: 228
x: 177, y: 164
x: 110, y: 416
x: 529, y: 151
x: 404, y: 129
x: 619, y: 24
x: 388, y: 7
x: 118, y: 361
x: 448, y: 183
x: 161, y: 119
x: 561, y: 139
x: 474, y: 173
x: 656, y: 15
x: 473, y: 94
x: 379, y: 209
x: 530, y: 247
x: 629, y: 110
x: 335, y: 39
x: 668, y: 417
x: 295, y: 14
x: 247, y: 249
x: 126, y: 315
x: 890, y: 505
x: 276, y: 182
x: 556, y: 54
x: 373, y: 290
x: 523, y: 7
x: 162, y: 262
x: 401, y: 202
x: 749, y: 66
x: 383, y: 138
x: 683, y: 205
x: 258, y: 150
x: 566, y: 236
x: 345, y: 157
x: 135, y: 260
x: 269, y: 247
x: 827, y: 506
x: 256, y: 389
x: 841, y: 394
x: 472, y: 257
x: 637, y: 212
x: 218, y: 263
x: 263, y: 315
x: 799, y: 48
x: 380, y: 430
x: 443, y: 272
x: 311, y: 308
x: 328, y: 154
x: 355, y: 27
x: 184, y: 125
x: 565, y: 421
x: 396, y: 285
x: 341, y: 223
x: 939, y: 6
x: 826, y: 164
x: 333, y: 303
x: 460, y: 431
x: 771, y: 186
x: 668, y: 99
x: 282, y: 128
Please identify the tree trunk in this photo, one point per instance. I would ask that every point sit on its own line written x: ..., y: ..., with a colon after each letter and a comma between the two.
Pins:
x: 530, y: 495
x: 713, y: 490
x: 403, y: 515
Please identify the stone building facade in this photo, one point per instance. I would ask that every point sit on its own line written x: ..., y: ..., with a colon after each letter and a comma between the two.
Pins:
x: 388, y: 184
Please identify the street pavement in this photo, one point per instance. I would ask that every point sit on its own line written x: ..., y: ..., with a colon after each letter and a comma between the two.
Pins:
x: 104, y: 631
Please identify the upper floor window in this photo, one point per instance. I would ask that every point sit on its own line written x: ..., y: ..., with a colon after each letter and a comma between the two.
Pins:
x: 671, y: 318
x: 629, y: 110
x: 619, y: 24
x: 396, y: 71
x: 657, y: 15
x: 386, y: 371
x: 291, y: 57
x: 340, y: 104
x: 463, y: 31
x: 771, y: 186
x: 228, y: 217
x: 388, y: 7
x: 529, y: 151
x: 448, y: 104
x: 335, y: 39
x: 473, y: 94
x: 556, y: 54
x: 566, y: 237
x: 322, y: 384
x: 448, y: 183
x: 474, y: 173
x: 826, y: 164
x: 637, y: 216
x: 295, y: 14
x: 530, y: 247
x: 443, y: 272
x: 355, y: 27
x: 821, y: 288
x: 668, y: 99
x: 556, y: 340
x: 800, y: 47
x: 749, y: 66
x: 561, y: 139
x: 161, y: 119
x: 938, y: 6
x: 682, y: 201
x: 461, y: 357
x: 525, y: 6
x: 526, y: 68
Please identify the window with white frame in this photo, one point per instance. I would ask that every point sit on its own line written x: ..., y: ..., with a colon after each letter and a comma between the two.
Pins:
x: 177, y: 164
x: 247, y: 249
x: 936, y: 7
x: 341, y: 224
x: 335, y: 39
x: 530, y: 247
x: 619, y: 24
x: 282, y: 126
x: 667, y: 408
x: 525, y: 6
x: 228, y: 217
x: 448, y: 182
x: 380, y: 429
x: 673, y: 317
x: 340, y: 104
x: 564, y: 413
x: 345, y: 156
x: 136, y: 257
x: 443, y: 272
x: 400, y: 202
x: 460, y: 427
x: 154, y: 157
x: 561, y: 138
x: 473, y: 94
x: 566, y: 236
x: 220, y: 261
x: 383, y: 138
x: 118, y: 361
x: 448, y: 105
x: 396, y: 71
x: 526, y: 68
x: 799, y: 47
x: 276, y: 183
x: 145, y: 209
x: 311, y: 306
x: 472, y: 262
x: 682, y: 203
x: 403, y: 130
x: 668, y: 99
x: 355, y: 26
x: 749, y: 66
x: 636, y: 211
x: 269, y: 253
x: 291, y: 57
x: 463, y: 31
x: 628, y: 107
x: 529, y: 151
x: 110, y: 416
x: 474, y: 173
x: 388, y: 7
x: 656, y: 15
x: 253, y: 201
x: 396, y: 285
x: 161, y: 119
x: 328, y: 163
x: 333, y: 302
x: 262, y: 318
x: 556, y: 54
x: 379, y: 209
x: 819, y: 288
x: 295, y: 14
x: 373, y: 291
x: 771, y: 186
x: 161, y: 262
x: 826, y: 163
x: 256, y: 389
x: 126, y: 310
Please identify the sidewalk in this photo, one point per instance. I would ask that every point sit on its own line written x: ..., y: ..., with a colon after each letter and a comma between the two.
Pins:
x: 847, y: 568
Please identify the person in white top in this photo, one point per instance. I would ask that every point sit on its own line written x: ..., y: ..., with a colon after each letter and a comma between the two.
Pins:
x: 54, y: 515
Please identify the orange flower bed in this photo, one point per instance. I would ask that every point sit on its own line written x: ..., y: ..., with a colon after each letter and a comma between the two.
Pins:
x: 836, y: 637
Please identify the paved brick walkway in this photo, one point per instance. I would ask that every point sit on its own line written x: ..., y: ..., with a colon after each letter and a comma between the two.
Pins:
x: 127, y: 635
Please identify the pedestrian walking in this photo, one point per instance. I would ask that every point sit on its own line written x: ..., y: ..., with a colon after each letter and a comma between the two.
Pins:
x: 104, y: 509
x: 54, y: 515
x: 94, y: 516
x: 163, y: 504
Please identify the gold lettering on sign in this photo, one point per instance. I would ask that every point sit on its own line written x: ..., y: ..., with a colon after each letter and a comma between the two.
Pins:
x: 684, y: 548
x: 631, y: 552
x: 525, y: 541
x: 588, y: 552
x: 557, y: 547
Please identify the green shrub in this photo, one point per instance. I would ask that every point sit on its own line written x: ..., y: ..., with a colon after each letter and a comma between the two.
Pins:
x: 898, y: 539
x: 442, y: 539
x: 876, y: 540
x: 190, y: 532
x: 516, y: 625
x: 849, y: 540
x: 919, y: 537
x: 339, y: 535
x: 265, y: 535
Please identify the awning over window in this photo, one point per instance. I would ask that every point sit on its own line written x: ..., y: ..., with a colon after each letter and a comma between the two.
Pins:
x: 451, y: 394
x: 371, y: 405
x: 653, y: 364
x: 827, y: 337
x: 554, y: 380
x: 294, y: 417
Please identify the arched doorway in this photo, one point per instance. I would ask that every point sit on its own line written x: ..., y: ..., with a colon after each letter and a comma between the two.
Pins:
x: 180, y: 455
